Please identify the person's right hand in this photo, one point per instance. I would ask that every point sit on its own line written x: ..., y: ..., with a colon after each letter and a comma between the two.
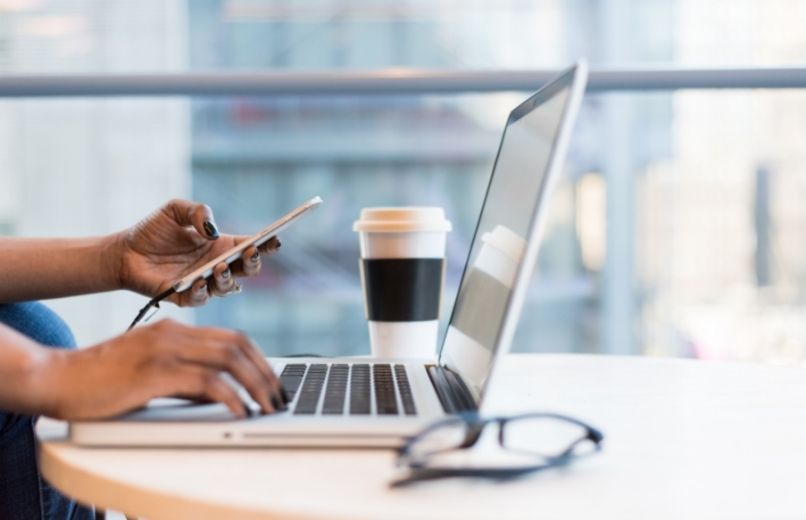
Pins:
x: 166, y: 359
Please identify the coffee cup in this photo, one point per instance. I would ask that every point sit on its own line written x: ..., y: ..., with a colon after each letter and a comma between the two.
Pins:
x: 402, y: 269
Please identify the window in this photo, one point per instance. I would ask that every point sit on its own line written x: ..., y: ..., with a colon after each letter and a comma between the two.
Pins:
x: 675, y: 231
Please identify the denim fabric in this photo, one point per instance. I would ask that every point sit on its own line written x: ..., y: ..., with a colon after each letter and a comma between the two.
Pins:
x: 24, y: 493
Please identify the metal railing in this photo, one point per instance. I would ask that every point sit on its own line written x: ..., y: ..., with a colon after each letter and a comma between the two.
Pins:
x: 386, y: 82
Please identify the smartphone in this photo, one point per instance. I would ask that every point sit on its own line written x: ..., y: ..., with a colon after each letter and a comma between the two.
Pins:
x: 256, y: 240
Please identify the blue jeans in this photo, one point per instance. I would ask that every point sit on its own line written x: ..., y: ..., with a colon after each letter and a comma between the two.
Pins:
x: 24, y: 493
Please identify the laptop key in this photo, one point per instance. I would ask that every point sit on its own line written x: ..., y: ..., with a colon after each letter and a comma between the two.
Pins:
x: 311, y: 389
x: 359, y: 390
x: 291, y: 377
x: 385, y: 401
x: 406, y: 397
x: 336, y: 389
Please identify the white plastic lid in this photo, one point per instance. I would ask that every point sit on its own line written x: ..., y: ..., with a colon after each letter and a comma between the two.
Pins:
x: 505, y: 240
x: 402, y: 220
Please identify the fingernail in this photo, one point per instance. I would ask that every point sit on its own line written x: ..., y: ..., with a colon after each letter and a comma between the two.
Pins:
x: 275, y: 401
x: 225, y: 274
x: 210, y: 228
x: 202, y: 289
x: 279, y: 244
x: 284, y: 395
x: 255, y: 257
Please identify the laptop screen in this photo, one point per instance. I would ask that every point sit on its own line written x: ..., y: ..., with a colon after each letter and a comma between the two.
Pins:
x: 500, y: 241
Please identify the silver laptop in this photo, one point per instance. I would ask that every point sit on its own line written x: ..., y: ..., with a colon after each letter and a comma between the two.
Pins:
x: 379, y: 402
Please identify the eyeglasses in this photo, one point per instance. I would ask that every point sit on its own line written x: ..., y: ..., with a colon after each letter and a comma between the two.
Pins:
x: 527, y: 443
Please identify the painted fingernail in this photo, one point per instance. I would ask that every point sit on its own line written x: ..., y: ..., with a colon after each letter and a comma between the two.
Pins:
x: 279, y: 405
x: 225, y: 274
x: 211, y: 229
x: 255, y: 257
x: 279, y: 244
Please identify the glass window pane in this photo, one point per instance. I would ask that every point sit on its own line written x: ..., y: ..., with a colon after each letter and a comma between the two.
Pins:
x: 86, y: 168
x: 675, y: 231
x: 177, y: 35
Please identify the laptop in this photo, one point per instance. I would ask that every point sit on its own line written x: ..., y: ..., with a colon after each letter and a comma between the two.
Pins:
x: 373, y: 402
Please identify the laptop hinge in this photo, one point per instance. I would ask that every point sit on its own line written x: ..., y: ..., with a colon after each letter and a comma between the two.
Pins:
x: 451, y: 390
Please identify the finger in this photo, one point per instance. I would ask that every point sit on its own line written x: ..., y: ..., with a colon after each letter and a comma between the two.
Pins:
x: 272, y: 246
x: 250, y: 264
x: 223, y: 281
x: 196, y: 296
x: 250, y: 350
x: 276, y: 393
x: 206, y: 383
x: 253, y: 352
x: 242, y: 267
x: 218, y: 390
x: 227, y: 355
x: 200, y: 216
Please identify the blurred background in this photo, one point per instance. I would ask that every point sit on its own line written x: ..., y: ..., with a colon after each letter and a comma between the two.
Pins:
x: 678, y: 228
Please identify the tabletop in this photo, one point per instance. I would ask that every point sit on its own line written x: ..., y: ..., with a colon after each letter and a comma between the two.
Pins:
x: 684, y: 439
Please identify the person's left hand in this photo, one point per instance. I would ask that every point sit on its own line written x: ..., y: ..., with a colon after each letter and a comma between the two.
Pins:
x: 176, y: 239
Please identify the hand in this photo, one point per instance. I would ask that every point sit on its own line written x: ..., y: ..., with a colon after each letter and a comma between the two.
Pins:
x: 175, y: 240
x: 166, y: 359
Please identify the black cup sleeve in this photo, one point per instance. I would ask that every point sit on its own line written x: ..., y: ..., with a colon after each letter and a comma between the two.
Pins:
x: 402, y: 289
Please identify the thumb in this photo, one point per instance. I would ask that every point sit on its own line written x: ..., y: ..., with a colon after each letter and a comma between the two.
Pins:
x: 200, y: 216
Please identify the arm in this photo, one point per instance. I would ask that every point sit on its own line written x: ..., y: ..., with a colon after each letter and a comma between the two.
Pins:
x: 163, y: 359
x: 19, y: 359
x: 146, y: 258
x: 34, y: 269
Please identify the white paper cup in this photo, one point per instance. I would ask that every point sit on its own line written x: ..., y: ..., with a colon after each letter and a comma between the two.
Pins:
x: 402, y: 275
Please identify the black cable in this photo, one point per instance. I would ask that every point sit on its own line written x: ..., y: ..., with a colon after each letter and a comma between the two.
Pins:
x: 154, y: 302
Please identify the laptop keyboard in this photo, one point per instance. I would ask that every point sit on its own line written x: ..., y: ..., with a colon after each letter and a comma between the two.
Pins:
x: 349, y: 389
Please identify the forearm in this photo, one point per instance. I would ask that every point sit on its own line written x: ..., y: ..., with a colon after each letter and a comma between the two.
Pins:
x: 21, y: 361
x: 36, y: 268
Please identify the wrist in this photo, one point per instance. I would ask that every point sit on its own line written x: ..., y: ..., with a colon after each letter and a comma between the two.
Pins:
x: 112, y: 254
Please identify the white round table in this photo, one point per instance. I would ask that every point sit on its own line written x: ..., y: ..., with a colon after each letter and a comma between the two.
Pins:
x: 684, y: 439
